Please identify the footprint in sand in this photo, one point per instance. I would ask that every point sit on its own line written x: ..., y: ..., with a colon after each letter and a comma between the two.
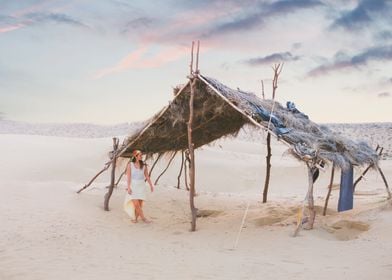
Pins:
x: 207, y: 213
x: 347, y: 230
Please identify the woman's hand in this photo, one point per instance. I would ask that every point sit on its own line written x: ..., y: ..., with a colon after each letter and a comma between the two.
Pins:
x: 129, y: 191
x: 152, y: 188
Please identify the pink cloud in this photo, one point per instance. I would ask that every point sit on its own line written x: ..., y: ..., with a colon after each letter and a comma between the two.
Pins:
x: 10, y: 28
x: 167, y: 34
x: 136, y: 60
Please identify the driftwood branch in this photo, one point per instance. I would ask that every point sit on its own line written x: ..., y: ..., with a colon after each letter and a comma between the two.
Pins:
x: 368, y: 168
x: 122, y: 174
x: 95, y: 177
x: 153, y: 165
x: 170, y: 161
x: 385, y: 182
x: 277, y: 70
x: 329, y: 189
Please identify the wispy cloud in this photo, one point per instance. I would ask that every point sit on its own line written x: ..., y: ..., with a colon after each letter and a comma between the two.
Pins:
x: 379, y: 53
x: 258, y: 15
x: 289, y: 6
x: 363, y: 14
x: 139, y: 60
x: 53, y: 17
x: 34, y: 14
x: 137, y: 24
x: 8, y: 28
x: 272, y: 58
x: 384, y: 95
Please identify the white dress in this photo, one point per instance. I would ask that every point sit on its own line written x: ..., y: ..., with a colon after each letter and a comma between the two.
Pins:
x: 139, y: 190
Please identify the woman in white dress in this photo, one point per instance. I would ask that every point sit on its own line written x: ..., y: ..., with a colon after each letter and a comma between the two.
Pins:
x: 137, y: 174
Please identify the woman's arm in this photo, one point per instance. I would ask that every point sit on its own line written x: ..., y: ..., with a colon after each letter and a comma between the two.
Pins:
x: 148, y: 178
x: 129, y: 190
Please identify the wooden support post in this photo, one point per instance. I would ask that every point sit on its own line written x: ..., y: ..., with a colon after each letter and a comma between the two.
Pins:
x: 329, y: 190
x: 171, y: 159
x: 192, y: 156
x: 310, y: 201
x: 113, y: 175
x: 268, y: 168
x: 182, y: 166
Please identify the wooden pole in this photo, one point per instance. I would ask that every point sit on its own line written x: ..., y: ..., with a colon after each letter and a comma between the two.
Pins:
x: 171, y: 159
x: 368, y: 168
x: 153, y: 165
x: 122, y: 174
x: 182, y: 166
x: 95, y: 177
x: 187, y: 160
x: 268, y: 167
x: 329, y: 190
x: 113, y: 175
x: 191, y: 64
x: 385, y: 182
x: 119, y: 178
x: 309, y: 199
x: 197, y: 57
x: 192, y: 157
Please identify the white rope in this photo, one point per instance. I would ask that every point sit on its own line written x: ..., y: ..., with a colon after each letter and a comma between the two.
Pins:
x: 242, y: 226
x: 272, y: 111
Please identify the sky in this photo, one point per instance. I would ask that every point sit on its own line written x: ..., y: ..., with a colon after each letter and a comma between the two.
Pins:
x: 116, y: 61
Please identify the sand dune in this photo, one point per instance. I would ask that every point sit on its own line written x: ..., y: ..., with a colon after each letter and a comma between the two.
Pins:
x: 50, y: 232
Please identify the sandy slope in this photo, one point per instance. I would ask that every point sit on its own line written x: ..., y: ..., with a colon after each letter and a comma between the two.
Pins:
x: 49, y: 232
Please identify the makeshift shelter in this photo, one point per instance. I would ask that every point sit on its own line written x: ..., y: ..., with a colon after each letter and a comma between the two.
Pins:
x: 204, y: 110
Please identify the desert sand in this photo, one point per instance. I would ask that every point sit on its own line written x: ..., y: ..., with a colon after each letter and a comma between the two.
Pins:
x: 50, y: 232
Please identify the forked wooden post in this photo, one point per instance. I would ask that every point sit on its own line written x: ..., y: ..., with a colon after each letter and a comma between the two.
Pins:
x: 113, y: 175
x: 192, y: 157
x: 329, y: 190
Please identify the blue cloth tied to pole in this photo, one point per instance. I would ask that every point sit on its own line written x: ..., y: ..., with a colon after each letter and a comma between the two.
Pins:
x: 346, y: 195
x: 262, y: 114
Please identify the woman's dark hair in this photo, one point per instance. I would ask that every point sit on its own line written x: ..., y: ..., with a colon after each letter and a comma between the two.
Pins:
x: 141, y: 163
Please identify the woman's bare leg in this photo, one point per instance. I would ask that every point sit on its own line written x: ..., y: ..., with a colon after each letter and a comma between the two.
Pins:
x: 141, y: 210
x: 136, y: 205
